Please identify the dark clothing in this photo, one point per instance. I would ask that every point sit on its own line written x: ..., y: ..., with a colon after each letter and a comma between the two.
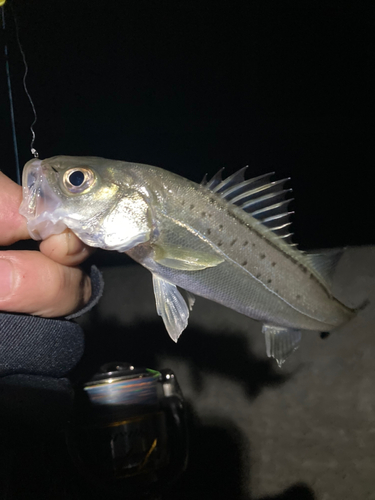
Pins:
x: 36, y: 399
x: 46, y: 347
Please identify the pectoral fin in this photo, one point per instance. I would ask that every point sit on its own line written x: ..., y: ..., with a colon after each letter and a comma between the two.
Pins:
x: 185, y: 259
x: 280, y: 342
x: 171, y: 306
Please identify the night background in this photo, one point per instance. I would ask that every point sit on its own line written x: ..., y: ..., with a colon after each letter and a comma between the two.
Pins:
x: 192, y: 86
x: 195, y: 86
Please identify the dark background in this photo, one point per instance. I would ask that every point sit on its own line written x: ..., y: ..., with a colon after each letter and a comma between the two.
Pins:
x: 192, y: 86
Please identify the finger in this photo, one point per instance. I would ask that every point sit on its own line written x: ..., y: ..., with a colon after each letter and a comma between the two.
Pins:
x: 65, y: 248
x: 12, y: 225
x: 32, y: 283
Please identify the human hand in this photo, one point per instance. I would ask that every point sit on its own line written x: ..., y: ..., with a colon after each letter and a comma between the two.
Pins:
x: 46, y: 283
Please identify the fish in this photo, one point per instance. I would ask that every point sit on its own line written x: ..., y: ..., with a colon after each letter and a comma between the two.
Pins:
x: 227, y: 240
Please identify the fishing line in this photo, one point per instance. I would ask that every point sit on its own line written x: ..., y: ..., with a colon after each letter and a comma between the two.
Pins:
x: 32, y: 149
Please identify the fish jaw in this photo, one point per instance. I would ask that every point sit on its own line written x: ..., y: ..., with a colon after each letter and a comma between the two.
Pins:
x: 40, y: 206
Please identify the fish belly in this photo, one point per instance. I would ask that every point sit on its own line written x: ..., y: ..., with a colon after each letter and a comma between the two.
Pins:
x: 228, y: 285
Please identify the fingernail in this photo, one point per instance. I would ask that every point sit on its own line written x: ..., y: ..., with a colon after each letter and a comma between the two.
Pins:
x: 74, y: 244
x: 6, y: 278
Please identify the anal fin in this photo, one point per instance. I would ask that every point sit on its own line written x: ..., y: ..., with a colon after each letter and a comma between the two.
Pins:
x: 280, y: 342
x: 171, y: 306
x: 190, y: 300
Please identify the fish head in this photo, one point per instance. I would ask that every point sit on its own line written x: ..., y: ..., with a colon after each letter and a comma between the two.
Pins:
x: 99, y: 200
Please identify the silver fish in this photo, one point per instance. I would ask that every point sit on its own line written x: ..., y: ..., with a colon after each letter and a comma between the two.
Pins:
x: 226, y: 240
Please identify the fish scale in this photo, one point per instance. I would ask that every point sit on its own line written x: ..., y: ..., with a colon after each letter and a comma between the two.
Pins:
x: 225, y: 240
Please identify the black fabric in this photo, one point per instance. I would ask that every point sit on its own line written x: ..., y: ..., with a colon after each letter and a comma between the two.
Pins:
x: 40, y: 346
x: 40, y: 401
x: 97, y: 285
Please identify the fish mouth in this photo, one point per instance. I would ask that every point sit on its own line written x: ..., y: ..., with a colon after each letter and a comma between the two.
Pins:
x: 40, y: 205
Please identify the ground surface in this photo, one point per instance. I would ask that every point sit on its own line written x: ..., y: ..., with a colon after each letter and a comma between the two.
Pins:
x: 304, y: 432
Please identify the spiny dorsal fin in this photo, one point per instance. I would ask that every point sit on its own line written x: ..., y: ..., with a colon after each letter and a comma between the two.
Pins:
x: 261, y: 198
x: 325, y: 262
x: 233, y: 180
x: 216, y: 179
x: 204, y: 180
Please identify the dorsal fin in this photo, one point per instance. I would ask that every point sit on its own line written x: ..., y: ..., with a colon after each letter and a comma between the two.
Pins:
x: 216, y: 179
x: 204, y: 180
x: 233, y: 180
x: 325, y: 262
x: 259, y: 197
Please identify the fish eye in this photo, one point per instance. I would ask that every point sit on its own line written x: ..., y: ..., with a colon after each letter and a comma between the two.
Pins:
x: 78, y: 180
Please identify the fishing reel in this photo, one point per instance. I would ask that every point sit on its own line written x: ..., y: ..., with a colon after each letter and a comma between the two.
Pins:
x: 128, y: 435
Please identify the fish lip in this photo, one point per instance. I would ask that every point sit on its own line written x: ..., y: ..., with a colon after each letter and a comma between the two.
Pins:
x: 40, y: 205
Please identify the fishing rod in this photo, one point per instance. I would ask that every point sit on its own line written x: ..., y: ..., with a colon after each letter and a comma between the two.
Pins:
x: 10, y: 93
